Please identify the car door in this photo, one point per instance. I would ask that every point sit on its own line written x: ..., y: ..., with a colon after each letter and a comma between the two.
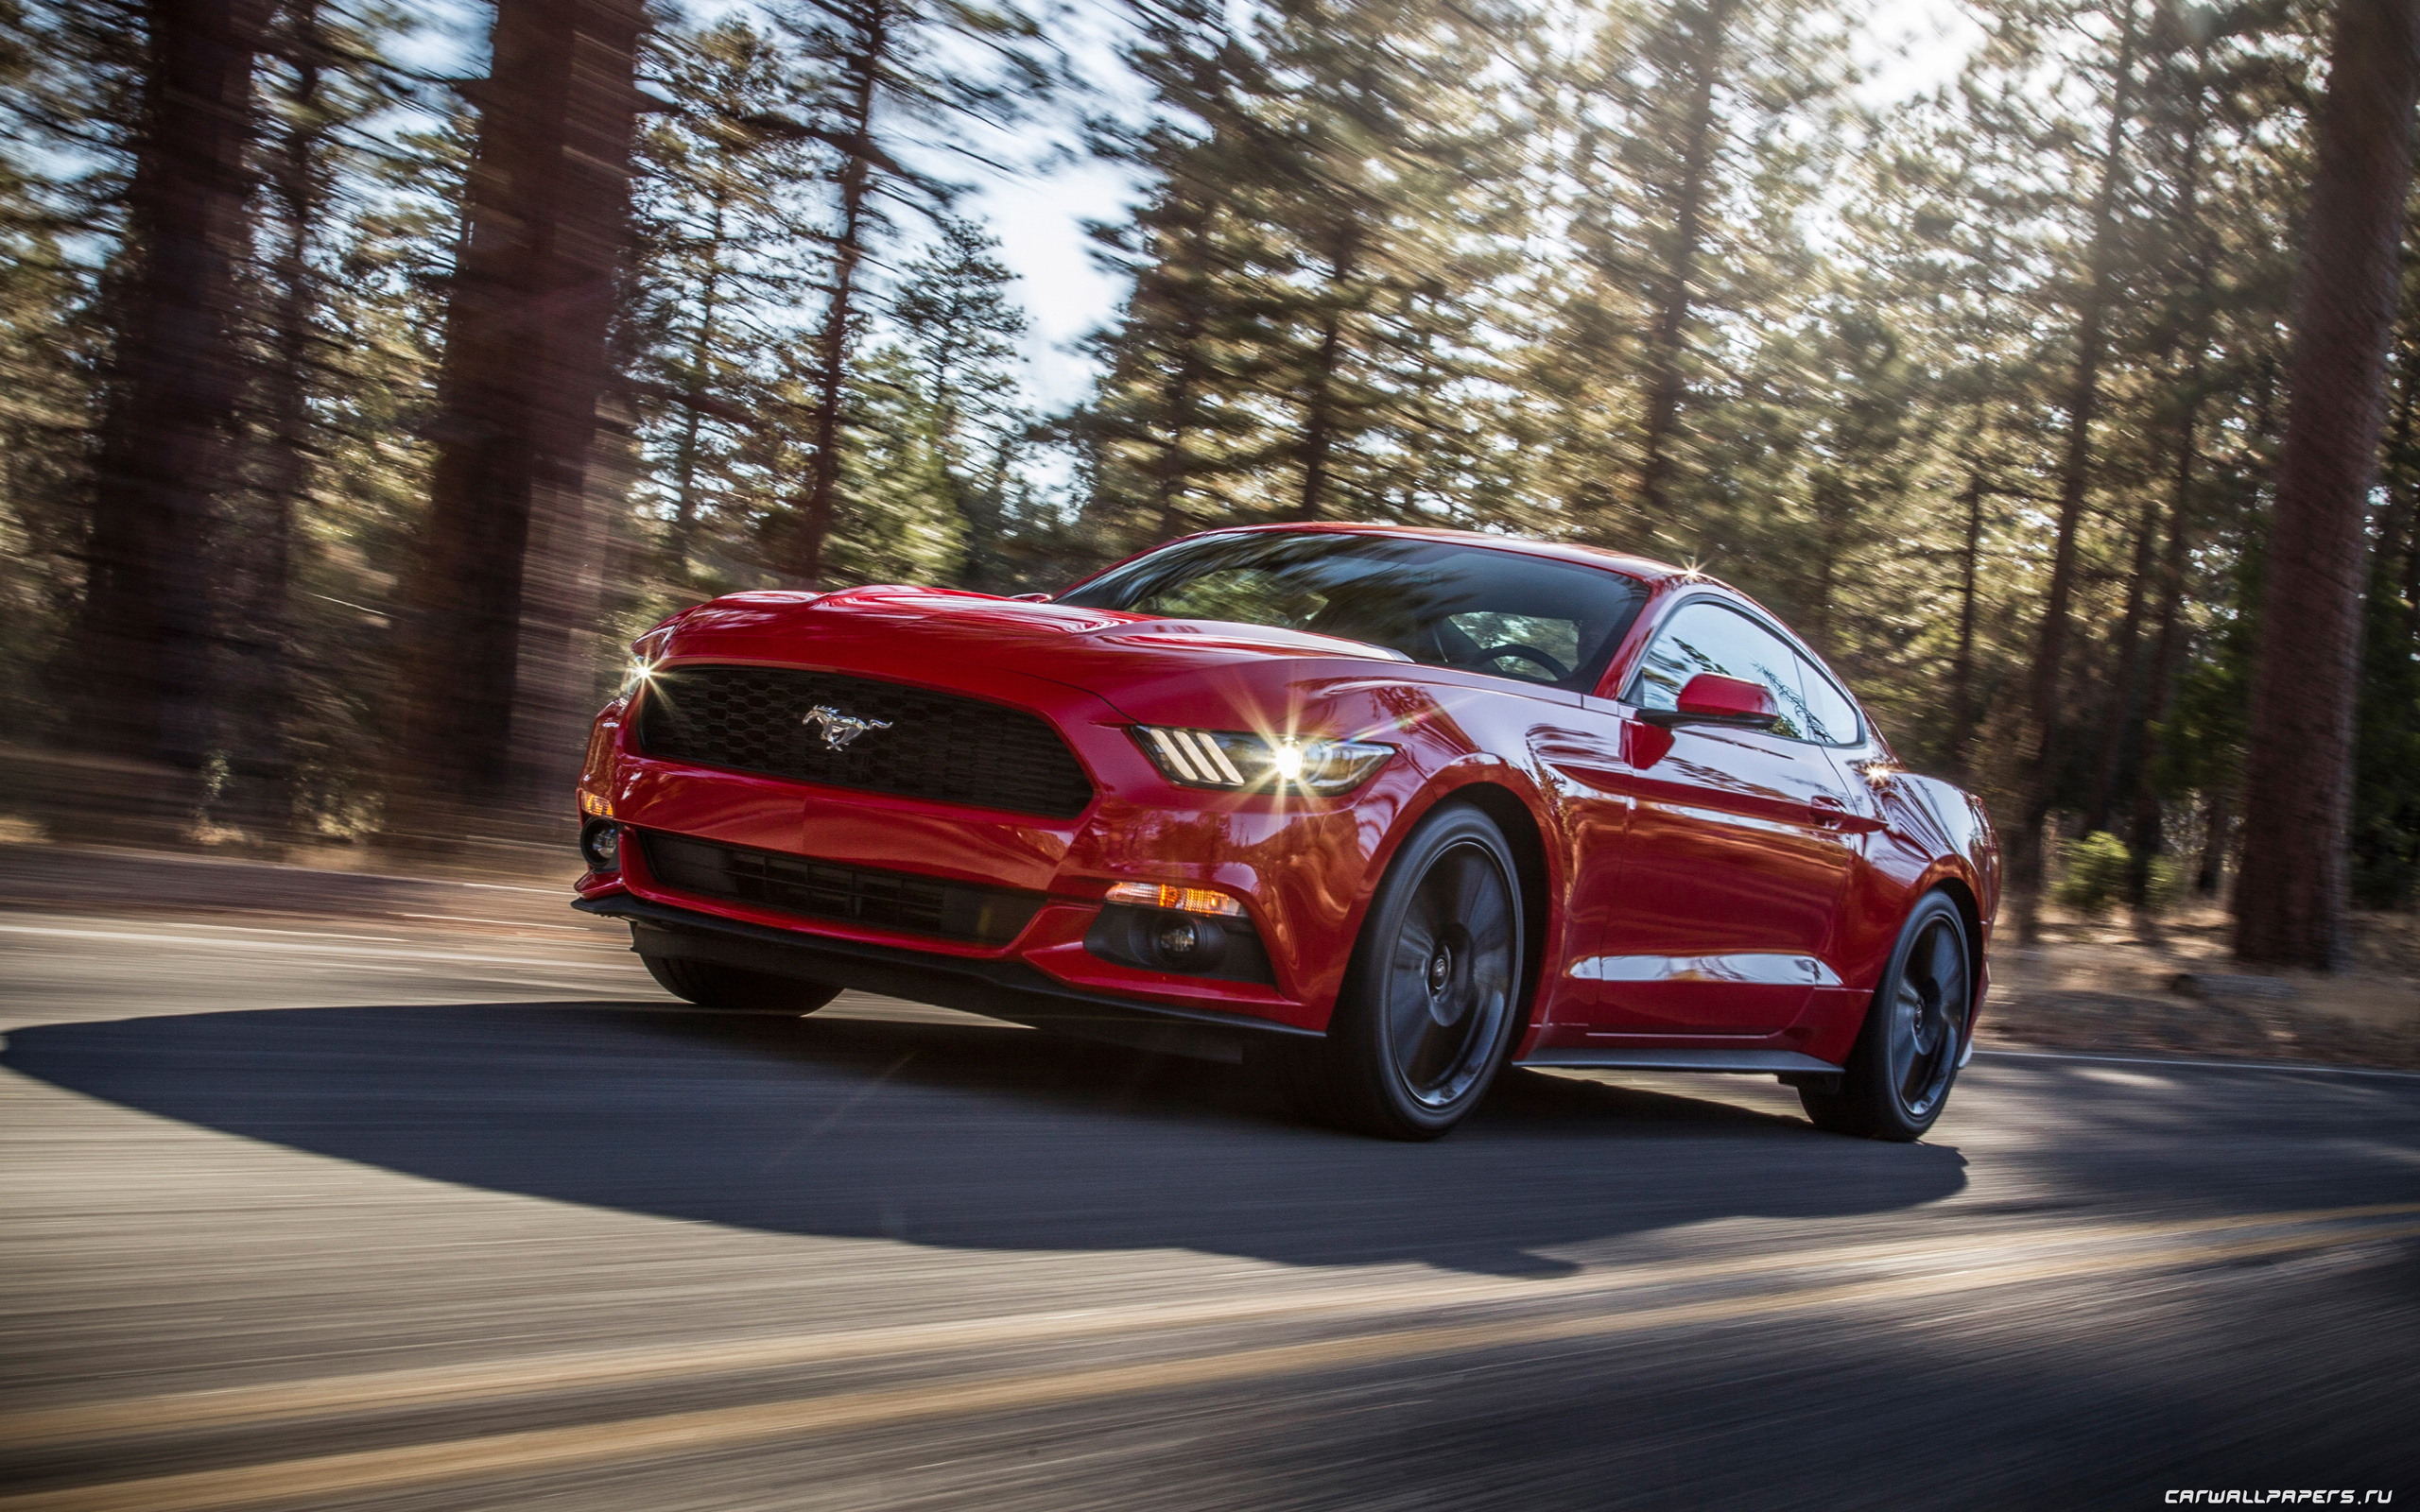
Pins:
x: 1737, y: 852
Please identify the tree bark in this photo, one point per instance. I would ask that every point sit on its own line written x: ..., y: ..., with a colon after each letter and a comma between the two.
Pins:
x: 165, y: 456
x: 2408, y: 389
x: 2217, y: 814
x: 2125, y: 674
x: 1319, y: 427
x: 1962, y: 663
x: 1666, y: 343
x: 696, y: 382
x: 2148, y: 817
x: 2145, y: 837
x: 502, y: 597
x: 2298, y: 771
x: 260, y: 795
x: 804, y: 563
x: 2075, y: 477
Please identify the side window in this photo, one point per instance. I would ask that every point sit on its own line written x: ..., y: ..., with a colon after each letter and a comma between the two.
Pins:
x: 1830, y: 717
x: 1708, y: 637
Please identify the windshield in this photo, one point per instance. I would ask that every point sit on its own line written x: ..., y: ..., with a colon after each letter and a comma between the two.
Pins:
x: 1500, y: 613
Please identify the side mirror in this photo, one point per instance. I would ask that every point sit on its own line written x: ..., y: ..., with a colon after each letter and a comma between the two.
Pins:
x: 1711, y: 699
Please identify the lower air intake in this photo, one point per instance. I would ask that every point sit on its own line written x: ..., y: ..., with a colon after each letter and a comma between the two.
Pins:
x: 822, y: 890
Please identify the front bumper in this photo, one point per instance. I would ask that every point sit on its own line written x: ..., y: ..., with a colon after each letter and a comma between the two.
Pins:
x: 1300, y: 865
x: 995, y: 987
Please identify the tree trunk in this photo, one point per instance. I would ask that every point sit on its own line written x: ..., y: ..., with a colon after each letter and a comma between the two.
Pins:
x: 165, y: 449
x: 2144, y: 837
x: 503, y: 596
x: 1319, y: 420
x: 981, y: 503
x: 1182, y: 292
x: 2148, y: 816
x: 2407, y: 391
x: 804, y: 563
x: 1667, y: 342
x: 1962, y: 662
x: 685, y: 459
x: 2125, y: 674
x: 2075, y: 477
x: 1834, y: 507
x: 2291, y: 897
x: 2217, y: 815
x: 260, y: 795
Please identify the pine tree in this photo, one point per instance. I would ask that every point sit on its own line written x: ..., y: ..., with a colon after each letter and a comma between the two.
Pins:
x: 504, y: 589
x: 883, y: 68
x: 1701, y: 134
x: 728, y: 245
x: 2289, y: 906
x: 960, y: 330
x: 166, y: 446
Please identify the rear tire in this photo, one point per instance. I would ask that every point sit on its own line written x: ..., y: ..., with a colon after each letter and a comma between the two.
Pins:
x: 729, y: 989
x: 1431, y: 1002
x: 1898, y: 1076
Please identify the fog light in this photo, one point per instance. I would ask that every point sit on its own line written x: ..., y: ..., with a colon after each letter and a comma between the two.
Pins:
x: 1187, y: 942
x: 600, y: 846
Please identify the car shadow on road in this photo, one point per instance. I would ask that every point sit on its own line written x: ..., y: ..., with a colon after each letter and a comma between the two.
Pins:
x: 962, y: 1134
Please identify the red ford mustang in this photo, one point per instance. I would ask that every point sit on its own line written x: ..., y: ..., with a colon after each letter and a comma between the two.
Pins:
x: 1382, y: 810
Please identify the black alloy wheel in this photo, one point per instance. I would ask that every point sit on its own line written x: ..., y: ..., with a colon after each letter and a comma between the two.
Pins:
x: 1899, y: 1075
x: 729, y: 989
x: 1431, y: 1006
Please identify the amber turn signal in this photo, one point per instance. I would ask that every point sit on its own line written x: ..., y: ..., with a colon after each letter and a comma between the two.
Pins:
x: 1182, y: 899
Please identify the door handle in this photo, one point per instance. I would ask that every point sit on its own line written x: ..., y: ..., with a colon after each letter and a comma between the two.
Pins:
x: 1829, y: 812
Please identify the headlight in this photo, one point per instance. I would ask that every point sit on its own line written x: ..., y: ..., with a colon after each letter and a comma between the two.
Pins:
x: 1232, y: 760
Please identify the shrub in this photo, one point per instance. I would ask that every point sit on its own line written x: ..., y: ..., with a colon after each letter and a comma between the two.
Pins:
x: 2093, y: 872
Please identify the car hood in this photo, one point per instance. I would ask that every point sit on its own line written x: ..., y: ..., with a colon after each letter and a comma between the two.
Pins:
x: 921, y: 632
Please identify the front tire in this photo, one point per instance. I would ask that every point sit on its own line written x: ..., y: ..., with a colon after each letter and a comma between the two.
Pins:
x: 712, y: 985
x: 1430, y: 1006
x: 1899, y: 1075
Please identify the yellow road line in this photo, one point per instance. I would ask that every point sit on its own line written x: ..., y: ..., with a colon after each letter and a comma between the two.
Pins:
x: 532, y: 1450
x: 460, y: 1383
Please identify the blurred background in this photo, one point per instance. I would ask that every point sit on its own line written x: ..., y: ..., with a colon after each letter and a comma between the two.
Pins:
x: 370, y: 375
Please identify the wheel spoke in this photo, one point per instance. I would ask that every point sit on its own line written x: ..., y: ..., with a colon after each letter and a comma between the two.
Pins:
x: 1941, y: 965
x: 1928, y: 1016
x: 1408, y: 1021
x: 1489, y: 917
x: 1448, y: 979
x: 1955, y: 996
x: 1468, y: 878
x: 1905, y: 1009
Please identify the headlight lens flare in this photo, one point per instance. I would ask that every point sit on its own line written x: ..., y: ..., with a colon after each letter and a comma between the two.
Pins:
x: 1236, y: 760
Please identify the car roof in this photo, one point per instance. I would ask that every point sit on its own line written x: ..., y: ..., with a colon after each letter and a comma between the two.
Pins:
x: 1635, y: 566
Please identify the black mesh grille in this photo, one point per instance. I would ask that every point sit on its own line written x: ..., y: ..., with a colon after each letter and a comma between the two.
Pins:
x: 822, y: 890
x: 938, y: 745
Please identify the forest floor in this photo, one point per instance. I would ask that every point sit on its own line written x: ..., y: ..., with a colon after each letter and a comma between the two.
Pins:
x: 2166, y: 989
x: 2172, y: 987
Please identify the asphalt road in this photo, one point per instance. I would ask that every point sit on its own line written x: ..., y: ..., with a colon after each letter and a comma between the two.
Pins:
x: 439, y: 1212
